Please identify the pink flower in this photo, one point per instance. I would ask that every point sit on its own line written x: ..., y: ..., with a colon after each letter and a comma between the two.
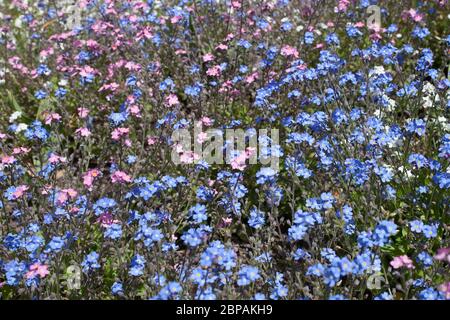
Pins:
x: 120, y: 177
x: 239, y: 161
x: 416, y: 16
x: 54, y: 158
x: 106, y: 219
x: 86, y: 71
x: 343, y: 5
x: 119, y: 132
x: 65, y: 194
x: 178, y: 148
x: 52, y: 117
x: 287, y: 51
x: 225, y: 222
x: 235, y: 4
x: 47, y: 52
x: 443, y: 254
x: 175, y: 19
x: 132, y: 66
x: 207, y: 121
x: 83, y: 112
x: 229, y: 37
x: 111, y: 86
x: 135, y: 110
x: 21, y: 150
x: 202, y: 137
x: 20, y: 191
x: 208, y: 57
x: 152, y: 140
x: 251, y: 78
x: 402, y: 261
x: 222, y: 47
x: 213, y: 71
x: 172, y: 100
x: 8, y: 160
x: 83, y: 132
x: 445, y: 288
x: 37, y: 269
x: 189, y: 157
x: 88, y: 178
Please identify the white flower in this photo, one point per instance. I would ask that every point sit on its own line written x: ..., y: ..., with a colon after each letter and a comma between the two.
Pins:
x: 406, y: 173
x: 21, y: 127
x: 443, y: 121
x: 16, y: 115
x: 377, y: 70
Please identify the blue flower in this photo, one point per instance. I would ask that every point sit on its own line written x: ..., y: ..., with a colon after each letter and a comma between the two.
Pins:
x: 337, y: 297
x: 346, y: 266
x: 256, y: 219
x: 297, y: 232
x: 198, y: 213
x: 425, y: 258
x: 383, y: 231
x: 280, y: 291
x: 315, y: 270
x: 117, y: 288
x: 55, y: 245
x: 117, y: 119
x: 90, y: 262
x: 265, y: 175
x: 247, y: 275
x: 300, y: 254
x: 384, y: 296
x: 331, y: 275
x: 362, y: 263
x: 309, y: 37
x: 198, y: 276
x: 170, y: 291
x: 137, y: 266
x: 14, y: 271
x: 418, y: 160
x: 298, y: 167
x: 442, y: 179
x: 40, y: 94
x: 104, y: 204
x: 36, y: 132
x: 430, y: 294
x: 416, y: 226
x: 42, y: 69
x: 416, y: 126
x: 420, y: 33
x: 259, y: 296
x: 429, y: 231
x: 33, y: 243
x: 205, y: 194
x: 384, y: 173
x: 113, y: 231
x: 193, y: 237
